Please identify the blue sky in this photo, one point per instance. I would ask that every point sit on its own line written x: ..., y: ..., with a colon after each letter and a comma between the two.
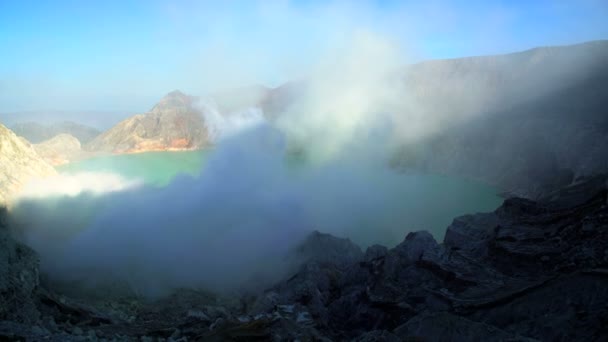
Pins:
x: 125, y: 55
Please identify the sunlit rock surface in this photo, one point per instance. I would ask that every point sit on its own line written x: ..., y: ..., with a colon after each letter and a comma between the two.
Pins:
x: 173, y: 124
x: 19, y: 164
x: 59, y: 150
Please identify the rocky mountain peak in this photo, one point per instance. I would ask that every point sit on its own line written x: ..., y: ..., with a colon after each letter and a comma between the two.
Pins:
x: 174, y: 100
x: 172, y: 124
x: 176, y: 93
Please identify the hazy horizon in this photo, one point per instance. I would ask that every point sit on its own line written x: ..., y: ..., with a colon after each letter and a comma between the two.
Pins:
x: 119, y: 57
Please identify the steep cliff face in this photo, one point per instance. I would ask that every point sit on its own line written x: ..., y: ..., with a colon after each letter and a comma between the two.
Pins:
x: 36, y: 132
x: 19, y: 163
x: 173, y: 124
x: 528, y: 122
x: 60, y: 149
x: 543, y: 263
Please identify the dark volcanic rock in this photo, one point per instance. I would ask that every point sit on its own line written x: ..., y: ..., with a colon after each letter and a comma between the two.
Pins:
x: 325, y: 261
x: 324, y: 248
x: 529, y: 270
x: 378, y: 336
x: 443, y: 326
x: 534, y: 120
x: 18, y: 277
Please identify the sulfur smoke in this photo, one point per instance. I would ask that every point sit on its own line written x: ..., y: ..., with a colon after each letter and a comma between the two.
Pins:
x: 232, y: 227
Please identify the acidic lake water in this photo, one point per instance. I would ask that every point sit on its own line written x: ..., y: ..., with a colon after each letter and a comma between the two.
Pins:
x: 154, y: 168
x: 416, y: 202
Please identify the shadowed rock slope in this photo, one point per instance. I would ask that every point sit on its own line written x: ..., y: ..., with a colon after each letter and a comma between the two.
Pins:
x: 527, y: 122
x: 528, y: 271
x: 19, y: 278
x: 531, y: 121
x: 173, y: 124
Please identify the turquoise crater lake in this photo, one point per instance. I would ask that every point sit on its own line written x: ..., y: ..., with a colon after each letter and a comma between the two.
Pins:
x: 153, y: 168
x: 414, y: 202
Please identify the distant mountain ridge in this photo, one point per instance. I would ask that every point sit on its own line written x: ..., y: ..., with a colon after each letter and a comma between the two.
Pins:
x: 98, y: 119
x: 174, y: 123
x: 37, y: 132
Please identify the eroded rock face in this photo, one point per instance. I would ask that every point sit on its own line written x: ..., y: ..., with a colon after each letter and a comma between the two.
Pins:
x: 487, y: 281
x: 173, y: 124
x: 19, y: 164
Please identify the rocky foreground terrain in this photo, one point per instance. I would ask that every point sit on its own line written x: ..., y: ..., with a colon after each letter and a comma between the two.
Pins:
x: 525, y: 272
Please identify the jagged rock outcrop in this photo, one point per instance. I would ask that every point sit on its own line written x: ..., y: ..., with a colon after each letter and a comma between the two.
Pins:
x: 529, y: 271
x: 173, y: 124
x: 19, y: 164
x: 60, y: 149
x: 37, y: 132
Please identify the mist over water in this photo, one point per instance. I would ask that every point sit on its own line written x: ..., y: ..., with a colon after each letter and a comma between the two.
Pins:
x: 150, y: 168
x: 231, y: 226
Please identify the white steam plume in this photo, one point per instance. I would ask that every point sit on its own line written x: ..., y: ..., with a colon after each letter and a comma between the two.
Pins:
x: 96, y: 183
x: 346, y: 98
x: 231, y: 227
